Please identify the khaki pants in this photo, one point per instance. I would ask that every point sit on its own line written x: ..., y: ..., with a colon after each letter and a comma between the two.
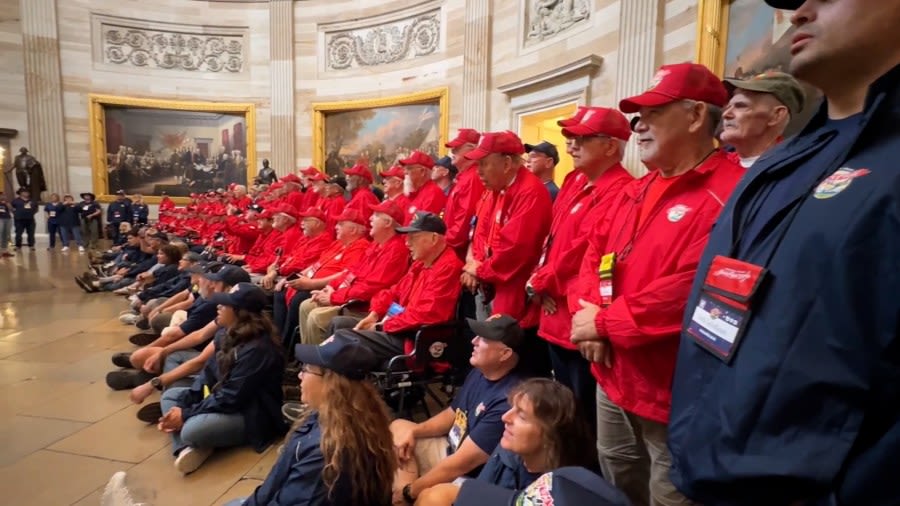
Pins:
x: 315, y: 321
x: 634, y: 455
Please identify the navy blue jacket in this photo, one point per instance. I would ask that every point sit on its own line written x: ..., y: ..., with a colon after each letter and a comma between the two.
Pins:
x: 24, y: 209
x: 5, y: 211
x: 506, y: 469
x: 140, y: 213
x: 809, y: 408
x: 252, y: 388
x: 178, y: 283
x: 86, y: 209
x: 53, y: 212
x: 142, y: 265
x: 296, y: 478
x: 165, y: 273
x: 67, y: 215
x: 117, y: 212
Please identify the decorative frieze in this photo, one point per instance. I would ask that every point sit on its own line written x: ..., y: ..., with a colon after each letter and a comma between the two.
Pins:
x: 380, y: 44
x: 545, y: 19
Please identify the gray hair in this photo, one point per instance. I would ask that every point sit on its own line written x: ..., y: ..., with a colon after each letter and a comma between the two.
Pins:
x: 713, y: 114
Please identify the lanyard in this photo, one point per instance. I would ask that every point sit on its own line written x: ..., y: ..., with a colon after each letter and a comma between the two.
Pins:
x: 564, y: 211
x: 496, y: 220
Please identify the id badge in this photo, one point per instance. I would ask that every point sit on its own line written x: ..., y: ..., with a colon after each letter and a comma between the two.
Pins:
x: 719, y: 320
x: 395, y: 309
x: 53, y: 214
x: 605, y: 272
x: 458, y: 431
x: 206, y: 391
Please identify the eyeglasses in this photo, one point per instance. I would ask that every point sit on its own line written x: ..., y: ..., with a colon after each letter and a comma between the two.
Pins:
x: 306, y: 369
x: 581, y: 141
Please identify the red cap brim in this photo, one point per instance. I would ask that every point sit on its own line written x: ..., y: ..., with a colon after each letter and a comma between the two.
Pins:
x: 649, y: 99
x: 476, y: 154
x: 578, y: 130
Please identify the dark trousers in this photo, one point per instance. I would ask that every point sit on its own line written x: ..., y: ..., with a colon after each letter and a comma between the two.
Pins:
x: 26, y: 226
x: 286, y: 314
x: 573, y: 371
x: 533, y: 359
x: 385, y: 346
x: 54, y: 229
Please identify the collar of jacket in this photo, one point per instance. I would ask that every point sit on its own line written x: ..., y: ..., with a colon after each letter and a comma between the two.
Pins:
x: 637, y: 191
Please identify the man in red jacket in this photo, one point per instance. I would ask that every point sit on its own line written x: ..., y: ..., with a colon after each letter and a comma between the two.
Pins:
x: 383, y: 264
x: 598, y: 144
x: 392, y: 179
x: 465, y: 194
x: 332, y: 199
x: 303, y: 251
x: 359, y: 183
x: 634, y: 281
x: 284, y: 217
x: 267, y: 235
x: 423, y: 193
x: 425, y: 295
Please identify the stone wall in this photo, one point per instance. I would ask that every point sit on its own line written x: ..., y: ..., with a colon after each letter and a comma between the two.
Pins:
x: 12, y: 76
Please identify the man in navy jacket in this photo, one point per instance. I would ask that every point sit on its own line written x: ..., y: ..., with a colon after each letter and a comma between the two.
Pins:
x: 787, y: 389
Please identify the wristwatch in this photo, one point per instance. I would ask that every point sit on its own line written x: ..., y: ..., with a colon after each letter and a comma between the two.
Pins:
x: 156, y: 383
x: 407, y: 496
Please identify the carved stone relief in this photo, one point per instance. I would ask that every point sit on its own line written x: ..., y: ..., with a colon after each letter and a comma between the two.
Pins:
x: 390, y: 42
x: 545, y: 19
x: 172, y: 50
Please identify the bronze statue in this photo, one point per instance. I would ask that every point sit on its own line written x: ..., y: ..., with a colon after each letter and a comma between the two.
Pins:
x: 29, y: 173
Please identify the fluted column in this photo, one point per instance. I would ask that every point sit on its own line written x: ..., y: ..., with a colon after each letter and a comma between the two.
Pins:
x: 476, y: 54
x: 43, y: 90
x: 640, y: 47
x: 281, y: 52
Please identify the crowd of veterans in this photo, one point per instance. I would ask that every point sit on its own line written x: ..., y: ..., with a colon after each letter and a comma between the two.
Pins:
x: 719, y: 331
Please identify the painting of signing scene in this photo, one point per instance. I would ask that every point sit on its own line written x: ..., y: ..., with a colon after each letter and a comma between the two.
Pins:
x: 379, y: 132
x: 175, y: 151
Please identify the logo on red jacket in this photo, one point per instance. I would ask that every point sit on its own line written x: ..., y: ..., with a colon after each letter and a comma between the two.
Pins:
x: 838, y: 182
x: 677, y: 212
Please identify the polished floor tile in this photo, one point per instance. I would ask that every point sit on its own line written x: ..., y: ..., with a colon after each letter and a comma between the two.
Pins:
x: 63, y: 433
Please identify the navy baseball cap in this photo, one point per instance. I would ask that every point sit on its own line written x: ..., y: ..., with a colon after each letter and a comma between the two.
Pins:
x: 231, y: 275
x: 204, y: 267
x: 503, y: 328
x: 545, y: 148
x: 242, y: 295
x: 566, y: 486
x: 342, y: 353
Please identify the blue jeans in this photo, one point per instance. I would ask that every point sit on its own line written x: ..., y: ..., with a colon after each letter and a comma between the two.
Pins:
x: 236, y: 502
x: 5, y: 233
x: 69, y: 233
x: 175, y: 359
x: 210, y: 430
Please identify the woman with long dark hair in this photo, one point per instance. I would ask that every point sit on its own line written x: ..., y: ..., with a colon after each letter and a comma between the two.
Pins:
x: 544, y: 430
x: 236, y: 399
x: 341, y: 453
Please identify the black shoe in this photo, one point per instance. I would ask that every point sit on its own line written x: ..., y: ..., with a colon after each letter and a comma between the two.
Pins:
x: 84, y: 286
x: 122, y: 360
x: 126, y: 380
x: 142, y: 339
x: 143, y: 324
x: 151, y: 413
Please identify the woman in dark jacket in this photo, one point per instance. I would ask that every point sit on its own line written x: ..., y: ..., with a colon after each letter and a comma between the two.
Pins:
x: 341, y: 453
x: 67, y: 219
x: 544, y: 430
x: 236, y: 399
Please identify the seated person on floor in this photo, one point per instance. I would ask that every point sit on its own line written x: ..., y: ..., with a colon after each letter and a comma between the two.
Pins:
x: 544, y: 430
x: 124, y: 276
x: 340, y: 452
x: 236, y: 400
x: 218, y: 278
x: 566, y: 486
x: 151, y: 297
x: 345, y: 251
x: 457, y: 442
x: 316, y: 238
x: 167, y: 259
x: 427, y: 294
x: 384, y: 263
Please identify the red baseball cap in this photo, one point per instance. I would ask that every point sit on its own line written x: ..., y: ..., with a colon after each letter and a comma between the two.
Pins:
x: 285, y: 208
x: 351, y: 215
x: 418, y: 158
x: 600, y: 121
x: 681, y: 81
x: 265, y: 214
x: 464, y: 136
x: 390, y: 208
x: 360, y: 169
x: 309, y: 171
x: 318, y: 176
x: 313, y: 212
x: 506, y: 143
x: 395, y: 171
x: 290, y: 178
x: 574, y: 120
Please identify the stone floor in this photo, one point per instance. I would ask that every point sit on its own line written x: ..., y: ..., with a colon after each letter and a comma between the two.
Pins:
x: 63, y: 433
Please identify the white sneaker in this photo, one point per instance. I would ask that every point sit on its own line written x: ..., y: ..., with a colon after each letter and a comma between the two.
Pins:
x: 129, y: 319
x: 190, y: 459
x: 65, y: 249
x: 81, y: 249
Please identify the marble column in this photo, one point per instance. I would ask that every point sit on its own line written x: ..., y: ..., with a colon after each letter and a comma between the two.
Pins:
x: 281, y: 51
x: 476, y: 58
x: 43, y: 91
x: 640, y: 51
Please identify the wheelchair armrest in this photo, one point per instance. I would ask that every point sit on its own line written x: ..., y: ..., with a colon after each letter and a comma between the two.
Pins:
x: 356, y: 305
x: 442, y: 342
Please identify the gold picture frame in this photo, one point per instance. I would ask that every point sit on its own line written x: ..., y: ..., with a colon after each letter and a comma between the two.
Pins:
x: 99, y: 105
x: 437, y: 98
x: 712, y: 34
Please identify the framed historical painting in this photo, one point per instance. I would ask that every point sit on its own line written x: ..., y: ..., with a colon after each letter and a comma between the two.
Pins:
x: 379, y: 131
x: 742, y: 38
x: 156, y: 147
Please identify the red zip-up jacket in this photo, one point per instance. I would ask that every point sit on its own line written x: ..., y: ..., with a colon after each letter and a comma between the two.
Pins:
x: 428, y: 198
x: 381, y: 267
x: 361, y: 199
x: 512, y: 224
x: 304, y: 253
x: 427, y: 294
x: 260, y: 261
x: 336, y: 258
x: 578, y: 207
x: 652, y: 278
x: 462, y: 203
x: 241, y: 235
x: 333, y: 207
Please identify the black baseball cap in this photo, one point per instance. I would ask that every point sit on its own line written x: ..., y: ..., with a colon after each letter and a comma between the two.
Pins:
x: 204, y: 267
x: 566, y: 486
x: 191, y: 256
x: 162, y: 236
x: 788, y: 5
x: 544, y: 148
x: 342, y: 353
x: 424, y: 222
x: 447, y: 163
x: 243, y: 296
x: 503, y: 328
x: 338, y: 180
x: 229, y: 274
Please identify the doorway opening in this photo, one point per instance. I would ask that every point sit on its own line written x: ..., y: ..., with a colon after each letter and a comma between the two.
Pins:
x: 538, y: 126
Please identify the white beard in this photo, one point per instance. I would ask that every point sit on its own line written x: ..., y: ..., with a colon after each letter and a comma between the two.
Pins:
x: 350, y: 186
x: 408, y: 187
